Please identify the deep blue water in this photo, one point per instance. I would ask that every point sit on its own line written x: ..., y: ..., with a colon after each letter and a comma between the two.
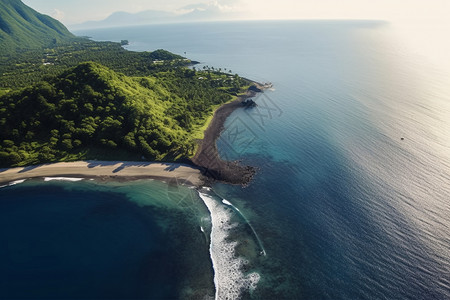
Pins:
x: 342, y: 207
x: 94, y: 241
x: 51, y: 242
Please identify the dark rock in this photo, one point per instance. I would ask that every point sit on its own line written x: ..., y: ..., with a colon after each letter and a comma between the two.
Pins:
x: 254, y: 88
x: 249, y: 103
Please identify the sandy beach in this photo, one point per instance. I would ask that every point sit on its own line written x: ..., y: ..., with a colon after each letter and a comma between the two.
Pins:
x: 106, y: 170
x: 207, y: 163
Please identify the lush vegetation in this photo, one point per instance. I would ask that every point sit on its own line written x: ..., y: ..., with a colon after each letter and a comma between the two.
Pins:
x: 34, y: 45
x: 90, y: 111
x: 24, y: 67
x: 67, y: 98
x: 23, y: 27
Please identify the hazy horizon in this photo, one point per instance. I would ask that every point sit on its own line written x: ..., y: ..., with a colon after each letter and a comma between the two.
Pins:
x: 415, y: 11
x: 416, y: 22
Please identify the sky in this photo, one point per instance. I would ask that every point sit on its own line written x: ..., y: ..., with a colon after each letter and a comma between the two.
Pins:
x: 72, y: 12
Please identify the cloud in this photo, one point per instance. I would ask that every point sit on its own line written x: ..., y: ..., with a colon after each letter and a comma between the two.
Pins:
x: 215, y: 5
x: 58, y: 14
x: 224, y: 6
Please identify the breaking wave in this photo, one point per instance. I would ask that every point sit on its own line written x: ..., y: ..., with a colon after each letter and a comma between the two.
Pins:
x: 13, y: 183
x: 229, y: 279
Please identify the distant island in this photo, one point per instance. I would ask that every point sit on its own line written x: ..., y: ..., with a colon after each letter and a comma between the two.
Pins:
x: 65, y: 98
x: 200, y: 12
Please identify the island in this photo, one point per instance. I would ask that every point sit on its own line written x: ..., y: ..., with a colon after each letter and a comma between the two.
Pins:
x: 70, y: 99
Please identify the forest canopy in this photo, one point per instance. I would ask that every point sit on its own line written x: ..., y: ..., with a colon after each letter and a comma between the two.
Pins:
x: 90, y: 111
x: 66, y: 98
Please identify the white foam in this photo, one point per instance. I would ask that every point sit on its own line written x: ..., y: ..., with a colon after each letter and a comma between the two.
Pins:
x: 226, y: 202
x: 229, y: 280
x: 17, y: 182
x: 62, y: 179
x: 13, y: 183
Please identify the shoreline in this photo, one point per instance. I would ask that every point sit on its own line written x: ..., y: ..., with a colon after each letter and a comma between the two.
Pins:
x: 106, y: 170
x: 206, y: 166
x: 207, y: 156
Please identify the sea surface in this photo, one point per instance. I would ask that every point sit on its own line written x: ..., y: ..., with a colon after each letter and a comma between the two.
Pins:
x: 351, y: 199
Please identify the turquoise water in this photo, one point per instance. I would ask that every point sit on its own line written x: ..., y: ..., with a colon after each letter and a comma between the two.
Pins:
x: 341, y: 207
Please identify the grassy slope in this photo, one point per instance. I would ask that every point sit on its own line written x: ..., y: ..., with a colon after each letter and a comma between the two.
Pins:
x: 23, y: 27
x: 91, y: 112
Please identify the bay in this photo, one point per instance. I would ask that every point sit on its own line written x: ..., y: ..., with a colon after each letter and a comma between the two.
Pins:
x: 352, y: 145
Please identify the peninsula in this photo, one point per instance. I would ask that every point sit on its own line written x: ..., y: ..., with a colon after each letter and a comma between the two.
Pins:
x: 71, y: 99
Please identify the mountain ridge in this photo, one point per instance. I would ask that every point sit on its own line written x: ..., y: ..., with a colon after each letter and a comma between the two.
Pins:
x: 193, y: 13
x: 22, y: 27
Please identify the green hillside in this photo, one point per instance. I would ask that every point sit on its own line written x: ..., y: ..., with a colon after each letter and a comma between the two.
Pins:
x: 21, y: 27
x: 64, y: 98
x: 91, y: 111
x: 22, y: 69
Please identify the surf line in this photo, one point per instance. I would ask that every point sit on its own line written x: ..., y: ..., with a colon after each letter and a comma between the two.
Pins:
x: 13, y: 183
x: 226, y: 202
x: 229, y: 279
x: 261, y: 247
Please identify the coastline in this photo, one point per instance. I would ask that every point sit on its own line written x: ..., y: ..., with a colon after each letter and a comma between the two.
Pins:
x: 207, y: 155
x: 206, y: 167
x: 106, y: 170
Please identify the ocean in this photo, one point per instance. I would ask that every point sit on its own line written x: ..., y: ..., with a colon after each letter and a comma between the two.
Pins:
x: 351, y: 199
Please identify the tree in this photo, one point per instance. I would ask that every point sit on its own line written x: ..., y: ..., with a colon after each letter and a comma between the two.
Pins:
x: 14, y: 158
x: 67, y: 144
x: 45, y: 154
